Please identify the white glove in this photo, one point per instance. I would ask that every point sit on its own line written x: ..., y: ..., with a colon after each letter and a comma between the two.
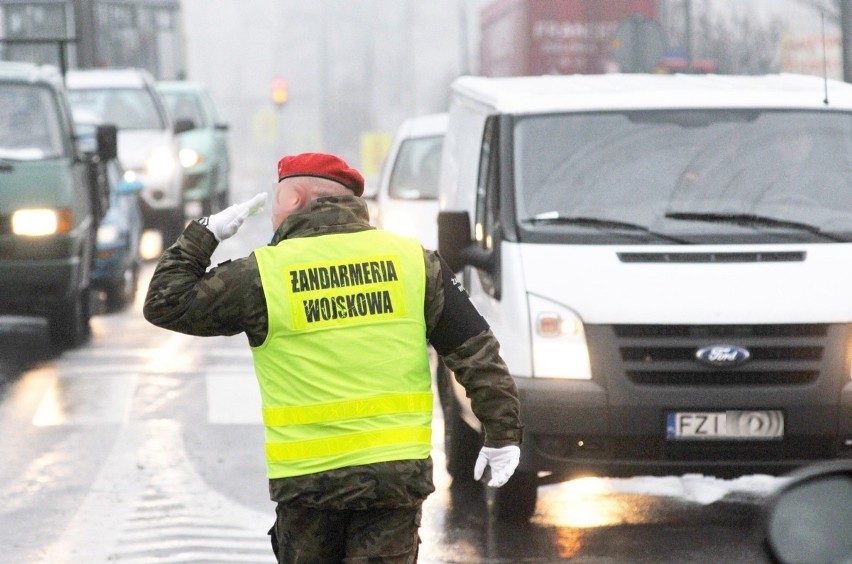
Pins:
x: 503, y: 462
x: 228, y: 221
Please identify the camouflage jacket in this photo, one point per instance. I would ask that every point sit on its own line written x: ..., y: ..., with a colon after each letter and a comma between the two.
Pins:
x: 185, y: 296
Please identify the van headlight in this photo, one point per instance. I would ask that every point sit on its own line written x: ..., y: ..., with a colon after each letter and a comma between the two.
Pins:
x: 559, y: 348
x: 40, y: 222
x: 161, y: 162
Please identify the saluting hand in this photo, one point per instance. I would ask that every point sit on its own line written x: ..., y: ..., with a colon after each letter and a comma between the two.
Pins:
x: 228, y: 221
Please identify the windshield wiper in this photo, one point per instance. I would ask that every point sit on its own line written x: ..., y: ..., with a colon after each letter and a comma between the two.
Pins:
x: 751, y: 220
x: 599, y: 222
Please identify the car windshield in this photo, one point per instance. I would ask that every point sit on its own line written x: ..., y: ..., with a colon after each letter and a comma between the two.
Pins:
x: 415, y: 173
x: 185, y: 106
x: 127, y: 108
x: 694, y: 171
x: 30, y: 125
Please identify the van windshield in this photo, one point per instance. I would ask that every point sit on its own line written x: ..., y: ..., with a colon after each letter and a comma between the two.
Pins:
x: 415, y: 172
x: 30, y: 125
x: 753, y: 174
x: 126, y: 108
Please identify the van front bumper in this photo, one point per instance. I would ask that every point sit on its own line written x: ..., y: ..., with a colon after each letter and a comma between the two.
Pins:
x: 36, y: 287
x: 571, y: 428
x: 37, y: 274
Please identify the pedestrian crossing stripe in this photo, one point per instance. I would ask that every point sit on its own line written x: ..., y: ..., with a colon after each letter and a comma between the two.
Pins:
x: 101, y: 386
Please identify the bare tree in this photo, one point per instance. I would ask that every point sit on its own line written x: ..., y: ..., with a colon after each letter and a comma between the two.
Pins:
x: 734, y: 41
x: 737, y: 43
x: 831, y: 8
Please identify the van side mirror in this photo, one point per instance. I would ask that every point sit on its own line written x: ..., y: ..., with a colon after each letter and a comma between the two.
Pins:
x: 222, y: 126
x: 456, y: 246
x: 807, y: 520
x: 453, y: 237
x: 184, y: 125
x: 107, y: 138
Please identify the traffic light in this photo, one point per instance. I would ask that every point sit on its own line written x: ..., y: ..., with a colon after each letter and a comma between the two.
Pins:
x: 280, y: 92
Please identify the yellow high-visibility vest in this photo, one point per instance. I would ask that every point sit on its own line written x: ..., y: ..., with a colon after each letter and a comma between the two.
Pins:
x: 344, y: 371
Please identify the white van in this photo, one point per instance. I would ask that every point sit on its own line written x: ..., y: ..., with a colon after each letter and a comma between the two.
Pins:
x: 666, y: 261
x: 408, y: 189
x: 147, y: 138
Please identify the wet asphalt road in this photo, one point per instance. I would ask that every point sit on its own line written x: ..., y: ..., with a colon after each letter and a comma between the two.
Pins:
x: 146, y: 446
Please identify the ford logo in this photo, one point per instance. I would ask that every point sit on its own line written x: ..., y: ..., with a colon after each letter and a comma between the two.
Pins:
x: 722, y: 355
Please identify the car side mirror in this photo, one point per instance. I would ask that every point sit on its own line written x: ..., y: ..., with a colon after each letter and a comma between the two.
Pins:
x: 184, y: 125
x: 107, y: 139
x: 807, y: 520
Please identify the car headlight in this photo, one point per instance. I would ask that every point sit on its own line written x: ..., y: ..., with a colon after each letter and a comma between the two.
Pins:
x: 130, y: 176
x: 849, y: 357
x: 161, y: 162
x: 107, y: 234
x: 399, y: 223
x: 559, y: 348
x: 190, y: 158
x: 40, y: 222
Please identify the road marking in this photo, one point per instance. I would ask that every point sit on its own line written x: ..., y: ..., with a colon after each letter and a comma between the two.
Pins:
x: 92, y: 386
x: 86, y: 401
x: 236, y: 354
x: 233, y: 399
x: 149, y: 505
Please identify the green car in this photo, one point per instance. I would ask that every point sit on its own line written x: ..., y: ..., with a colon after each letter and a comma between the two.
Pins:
x: 53, y: 196
x: 204, y: 151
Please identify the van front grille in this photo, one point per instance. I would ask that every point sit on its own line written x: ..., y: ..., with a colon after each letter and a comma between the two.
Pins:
x: 676, y: 355
x: 783, y: 256
x: 661, y: 354
x: 708, y: 378
x: 662, y: 331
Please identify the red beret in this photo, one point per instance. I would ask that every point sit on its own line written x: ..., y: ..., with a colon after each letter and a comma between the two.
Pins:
x: 321, y: 165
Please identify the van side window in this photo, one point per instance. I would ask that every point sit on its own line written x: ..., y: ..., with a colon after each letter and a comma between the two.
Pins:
x: 487, y: 221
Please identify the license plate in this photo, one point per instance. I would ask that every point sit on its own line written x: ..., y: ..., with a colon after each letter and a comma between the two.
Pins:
x: 724, y: 425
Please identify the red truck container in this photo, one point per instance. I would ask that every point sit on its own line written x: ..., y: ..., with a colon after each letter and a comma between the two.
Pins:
x: 530, y: 37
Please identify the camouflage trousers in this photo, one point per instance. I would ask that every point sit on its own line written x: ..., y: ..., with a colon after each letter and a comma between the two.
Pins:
x: 304, y: 535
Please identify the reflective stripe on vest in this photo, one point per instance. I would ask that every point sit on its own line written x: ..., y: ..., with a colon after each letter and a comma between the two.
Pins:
x: 344, y: 372
x: 348, y: 409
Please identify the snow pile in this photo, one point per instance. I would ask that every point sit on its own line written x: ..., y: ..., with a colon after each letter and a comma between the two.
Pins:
x: 698, y: 488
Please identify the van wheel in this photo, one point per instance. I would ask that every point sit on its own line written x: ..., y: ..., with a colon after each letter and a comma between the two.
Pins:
x: 69, y: 323
x: 461, y: 443
x: 122, y: 292
x: 515, y: 501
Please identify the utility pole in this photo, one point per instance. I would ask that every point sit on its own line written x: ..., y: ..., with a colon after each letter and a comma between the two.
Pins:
x: 846, y: 37
x: 464, y: 53
x: 687, y: 16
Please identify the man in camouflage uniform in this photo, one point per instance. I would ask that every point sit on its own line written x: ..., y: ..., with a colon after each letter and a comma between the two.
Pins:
x: 369, y: 511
